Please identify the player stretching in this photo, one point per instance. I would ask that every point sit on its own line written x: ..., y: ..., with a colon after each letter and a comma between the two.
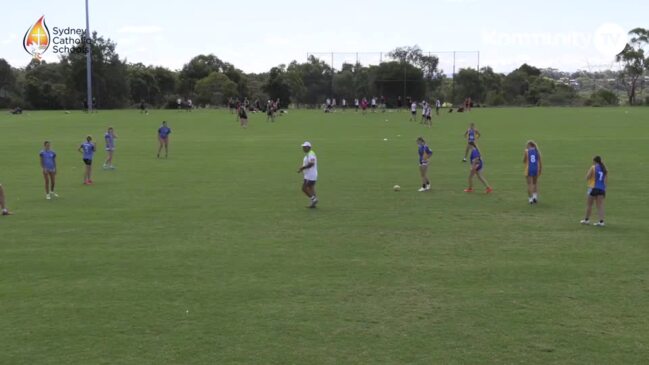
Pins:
x: 471, y: 135
x: 163, y: 137
x: 597, y: 178
x: 48, y: 166
x: 476, y: 169
x: 88, y: 149
x: 310, y: 170
x: 110, y: 137
x: 533, y: 166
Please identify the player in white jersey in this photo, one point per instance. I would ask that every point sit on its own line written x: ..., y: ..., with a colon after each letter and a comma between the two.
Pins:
x: 413, y: 111
x: 310, y: 170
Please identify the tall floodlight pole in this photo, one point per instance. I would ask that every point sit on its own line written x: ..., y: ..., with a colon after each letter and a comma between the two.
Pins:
x: 88, y: 61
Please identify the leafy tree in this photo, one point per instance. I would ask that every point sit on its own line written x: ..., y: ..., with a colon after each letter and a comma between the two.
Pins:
x: 390, y: 78
x: 344, y: 85
x: 7, y: 83
x: 198, y: 67
x: 427, y: 64
x: 515, y: 86
x: 215, y: 89
x: 603, y: 98
x: 316, y: 77
x: 109, y: 74
x: 143, y: 84
x: 468, y: 84
x: 45, y: 85
x: 277, y: 85
x: 634, y: 66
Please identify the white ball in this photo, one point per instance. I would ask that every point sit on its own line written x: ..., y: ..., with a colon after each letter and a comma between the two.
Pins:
x: 396, y: 188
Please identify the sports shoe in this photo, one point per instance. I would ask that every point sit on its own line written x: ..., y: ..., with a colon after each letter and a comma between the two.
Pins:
x: 6, y: 212
x: 464, y: 159
x: 585, y: 221
x: 422, y: 189
x: 468, y: 190
x: 534, y: 200
x: 530, y: 200
x: 599, y: 224
x: 489, y: 190
x: 427, y: 187
x: 48, y: 196
x: 54, y: 195
x: 313, y: 203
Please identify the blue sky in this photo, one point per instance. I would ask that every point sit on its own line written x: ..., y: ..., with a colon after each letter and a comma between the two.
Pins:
x: 256, y: 35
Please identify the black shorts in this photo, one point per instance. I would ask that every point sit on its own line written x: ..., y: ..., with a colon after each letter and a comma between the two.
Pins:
x: 87, y: 162
x: 597, y: 192
x: 309, y: 182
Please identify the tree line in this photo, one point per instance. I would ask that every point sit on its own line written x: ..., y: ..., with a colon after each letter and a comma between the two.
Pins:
x: 209, y: 81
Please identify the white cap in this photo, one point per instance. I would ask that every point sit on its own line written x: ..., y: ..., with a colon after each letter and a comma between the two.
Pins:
x: 306, y: 144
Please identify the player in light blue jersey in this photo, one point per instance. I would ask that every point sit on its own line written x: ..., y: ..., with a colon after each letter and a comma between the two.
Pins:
x: 88, y: 149
x: 424, y: 157
x: 48, y: 166
x: 597, y: 178
x: 163, y: 136
x: 533, y: 167
x: 110, y: 138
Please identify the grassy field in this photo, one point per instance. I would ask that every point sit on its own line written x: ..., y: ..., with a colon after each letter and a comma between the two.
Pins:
x: 210, y: 257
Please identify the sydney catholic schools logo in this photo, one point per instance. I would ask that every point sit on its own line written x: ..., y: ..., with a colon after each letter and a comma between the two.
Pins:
x: 37, y: 39
x: 66, y: 40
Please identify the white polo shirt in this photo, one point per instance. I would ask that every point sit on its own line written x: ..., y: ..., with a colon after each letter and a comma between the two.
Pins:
x: 311, y: 173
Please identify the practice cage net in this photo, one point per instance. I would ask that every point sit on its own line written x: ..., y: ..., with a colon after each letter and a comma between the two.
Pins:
x: 450, y: 62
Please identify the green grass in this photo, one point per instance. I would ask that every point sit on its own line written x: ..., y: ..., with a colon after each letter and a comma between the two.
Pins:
x: 210, y: 257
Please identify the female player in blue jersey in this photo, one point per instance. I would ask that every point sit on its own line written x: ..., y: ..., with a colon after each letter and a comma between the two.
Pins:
x: 424, y: 156
x: 110, y: 138
x: 163, y: 136
x: 476, y: 169
x: 533, y: 167
x: 48, y: 165
x: 88, y: 149
x: 597, y: 178
x: 471, y: 135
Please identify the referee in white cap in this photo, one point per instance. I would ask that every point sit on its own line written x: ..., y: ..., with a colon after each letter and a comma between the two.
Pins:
x: 310, y: 170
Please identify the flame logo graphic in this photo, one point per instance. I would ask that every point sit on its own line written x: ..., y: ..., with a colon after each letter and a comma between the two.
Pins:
x: 37, y: 38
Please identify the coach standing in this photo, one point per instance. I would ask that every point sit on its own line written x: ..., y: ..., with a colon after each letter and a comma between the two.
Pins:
x: 310, y: 170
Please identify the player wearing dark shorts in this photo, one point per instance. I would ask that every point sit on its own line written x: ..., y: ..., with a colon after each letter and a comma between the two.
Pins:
x: 88, y: 149
x: 476, y: 169
x: 597, y: 178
